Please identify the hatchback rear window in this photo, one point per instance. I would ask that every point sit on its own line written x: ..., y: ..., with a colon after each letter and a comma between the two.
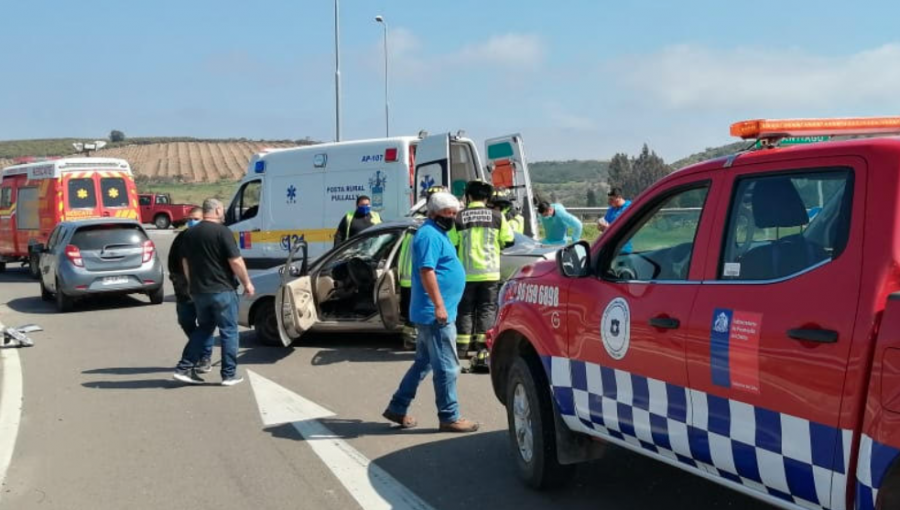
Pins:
x: 95, y: 237
x: 81, y: 194
x: 115, y: 192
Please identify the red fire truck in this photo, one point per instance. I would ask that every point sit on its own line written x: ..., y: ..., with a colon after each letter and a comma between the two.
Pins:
x: 751, y: 337
x: 35, y: 197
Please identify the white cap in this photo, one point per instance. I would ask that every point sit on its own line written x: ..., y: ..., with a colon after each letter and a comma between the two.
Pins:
x: 440, y: 201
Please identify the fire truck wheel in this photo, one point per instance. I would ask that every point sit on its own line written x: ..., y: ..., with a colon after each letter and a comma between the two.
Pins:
x: 63, y: 302
x: 34, y: 266
x: 157, y: 296
x: 2, y: 267
x: 45, y: 294
x: 532, y: 435
x: 161, y: 221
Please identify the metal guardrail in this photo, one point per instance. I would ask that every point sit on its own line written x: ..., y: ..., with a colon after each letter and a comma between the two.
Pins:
x: 600, y: 211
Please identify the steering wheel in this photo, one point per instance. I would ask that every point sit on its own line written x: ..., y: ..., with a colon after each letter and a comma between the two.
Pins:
x: 657, y: 268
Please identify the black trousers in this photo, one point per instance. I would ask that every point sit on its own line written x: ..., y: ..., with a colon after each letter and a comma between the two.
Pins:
x: 476, y: 313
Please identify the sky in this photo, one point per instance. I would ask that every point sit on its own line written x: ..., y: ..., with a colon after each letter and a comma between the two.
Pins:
x: 579, y: 79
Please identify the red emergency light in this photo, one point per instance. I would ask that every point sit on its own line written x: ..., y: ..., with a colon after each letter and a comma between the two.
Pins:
x: 390, y: 155
x: 763, y: 128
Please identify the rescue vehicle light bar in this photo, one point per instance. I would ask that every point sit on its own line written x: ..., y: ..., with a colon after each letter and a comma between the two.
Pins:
x: 773, y: 129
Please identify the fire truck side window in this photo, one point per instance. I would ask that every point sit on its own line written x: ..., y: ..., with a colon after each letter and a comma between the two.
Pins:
x: 82, y: 194
x: 5, y: 197
x: 659, y: 247
x: 784, y: 224
x: 115, y: 192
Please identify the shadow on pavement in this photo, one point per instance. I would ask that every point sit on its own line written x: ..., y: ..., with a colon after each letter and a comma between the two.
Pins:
x: 17, y: 275
x: 143, y: 384
x: 129, y: 370
x: 93, y: 304
x: 353, y: 347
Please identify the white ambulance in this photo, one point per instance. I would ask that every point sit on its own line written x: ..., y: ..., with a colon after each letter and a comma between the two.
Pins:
x: 303, y: 193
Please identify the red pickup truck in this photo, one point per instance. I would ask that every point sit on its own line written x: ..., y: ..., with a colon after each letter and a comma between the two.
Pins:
x: 157, y: 208
x: 753, y: 339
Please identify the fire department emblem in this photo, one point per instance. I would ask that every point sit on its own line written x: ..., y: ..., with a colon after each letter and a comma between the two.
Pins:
x: 615, y: 328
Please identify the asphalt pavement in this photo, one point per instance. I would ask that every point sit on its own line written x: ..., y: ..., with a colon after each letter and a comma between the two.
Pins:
x: 104, y: 426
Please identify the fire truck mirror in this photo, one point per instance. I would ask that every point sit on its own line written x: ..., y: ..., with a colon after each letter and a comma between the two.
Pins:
x: 574, y: 261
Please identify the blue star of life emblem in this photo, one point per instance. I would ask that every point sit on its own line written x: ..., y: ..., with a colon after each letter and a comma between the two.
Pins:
x: 426, y: 182
x: 292, y: 194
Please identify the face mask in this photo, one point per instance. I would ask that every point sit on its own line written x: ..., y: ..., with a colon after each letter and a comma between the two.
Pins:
x: 445, y: 222
x: 364, y: 209
x: 192, y: 223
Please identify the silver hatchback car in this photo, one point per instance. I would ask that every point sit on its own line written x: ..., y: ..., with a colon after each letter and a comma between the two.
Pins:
x: 102, y: 256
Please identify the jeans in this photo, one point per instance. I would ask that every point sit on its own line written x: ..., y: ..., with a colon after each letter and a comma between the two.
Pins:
x: 435, y: 349
x: 187, y: 319
x: 214, y: 310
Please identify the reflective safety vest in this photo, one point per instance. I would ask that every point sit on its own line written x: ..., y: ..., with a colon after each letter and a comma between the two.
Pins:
x: 404, y: 265
x: 376, y: 219
x: 516, y: 220
x: 482, y: 234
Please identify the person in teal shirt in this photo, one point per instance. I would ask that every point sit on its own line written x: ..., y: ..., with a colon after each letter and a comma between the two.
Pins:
x: 557, y: 222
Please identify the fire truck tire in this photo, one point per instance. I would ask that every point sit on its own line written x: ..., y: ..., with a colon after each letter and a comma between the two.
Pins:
x: 63, y: 302
x: 34, y: 264
x: 2, y: 267
x: 157, y: 296
x: 45, y: 294
x: 161, y: 221
x: 532, y: 435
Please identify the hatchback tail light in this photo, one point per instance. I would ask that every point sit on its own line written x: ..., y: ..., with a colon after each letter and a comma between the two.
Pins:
x: 74, y: 255
x: 149, y: 248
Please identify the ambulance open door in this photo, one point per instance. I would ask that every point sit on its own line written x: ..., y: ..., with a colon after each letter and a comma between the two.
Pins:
x: 432, y: 164
x: 509, y: 169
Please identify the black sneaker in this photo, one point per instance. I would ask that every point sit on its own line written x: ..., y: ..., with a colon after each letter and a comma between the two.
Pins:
x: 233, y: 380
x: 204, y: 366
x: 188, y: 376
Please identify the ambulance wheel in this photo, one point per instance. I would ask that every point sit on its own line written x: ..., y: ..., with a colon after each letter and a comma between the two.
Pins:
x: 265, y: 324
x: 161, y: 221
x: 45, y: 294
x: 63, y: 302
x: 532, y: 435
x: 157, y: 296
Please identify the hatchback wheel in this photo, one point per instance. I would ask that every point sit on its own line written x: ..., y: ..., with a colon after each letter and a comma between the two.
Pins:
x: 34, y: 266
x: 532, y: 435
x: 157, y: 296
x: 45, y: 294
x: 63, y: 302
x: 265, y: 324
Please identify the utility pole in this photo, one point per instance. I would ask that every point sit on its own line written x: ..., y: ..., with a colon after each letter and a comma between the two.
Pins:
x: 337, y: 72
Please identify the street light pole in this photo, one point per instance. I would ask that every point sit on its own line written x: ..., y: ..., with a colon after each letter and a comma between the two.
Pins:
x: 387, y: 109
x: 337, y: 72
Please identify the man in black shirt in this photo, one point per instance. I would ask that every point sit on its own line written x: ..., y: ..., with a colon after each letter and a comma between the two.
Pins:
x: 184, y: 306
x: 211, y: 260
x: 357, y: 220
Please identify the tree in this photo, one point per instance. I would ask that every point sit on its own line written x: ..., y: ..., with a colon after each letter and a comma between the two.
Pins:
x: 647, y: 168
x: 116, y: 136
x: 591, y: 198
x: 619, y: 170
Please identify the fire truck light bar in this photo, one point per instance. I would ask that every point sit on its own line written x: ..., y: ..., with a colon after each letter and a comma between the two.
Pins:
x: 761, y: 128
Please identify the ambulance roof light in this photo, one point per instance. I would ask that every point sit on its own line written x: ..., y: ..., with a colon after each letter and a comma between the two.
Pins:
x: 423, y: 134
x: 774, y: 129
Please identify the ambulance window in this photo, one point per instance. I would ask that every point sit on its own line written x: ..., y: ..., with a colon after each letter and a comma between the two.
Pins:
x: 780, y: 225
x: 81, y: 194
x: 660, y: 245
x: 246, y: 203
x: 5, y: 197
x: 462, y: 168
x: 115, y: 192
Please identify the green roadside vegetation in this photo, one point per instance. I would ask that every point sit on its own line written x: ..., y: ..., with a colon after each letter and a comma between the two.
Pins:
x: 187, y: 192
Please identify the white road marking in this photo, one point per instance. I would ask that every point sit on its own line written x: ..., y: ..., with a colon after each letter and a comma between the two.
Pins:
x: 372, y: 487
x: 10, y: 407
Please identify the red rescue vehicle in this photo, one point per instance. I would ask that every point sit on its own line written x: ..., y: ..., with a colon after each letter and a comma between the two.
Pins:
x: 751, y: 337
x: 35, y: 197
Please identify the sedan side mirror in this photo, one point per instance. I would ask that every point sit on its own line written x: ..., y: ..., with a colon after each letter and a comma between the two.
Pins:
x: 574, y: 261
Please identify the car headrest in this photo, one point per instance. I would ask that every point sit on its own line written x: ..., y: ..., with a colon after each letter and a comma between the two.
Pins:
x: 776, y: 203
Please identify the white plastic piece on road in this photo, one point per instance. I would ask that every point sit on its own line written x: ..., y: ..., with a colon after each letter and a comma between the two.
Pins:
x: 10, y: 407
x: 372, y: 487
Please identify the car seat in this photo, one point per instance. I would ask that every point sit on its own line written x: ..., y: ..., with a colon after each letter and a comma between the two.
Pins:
x: 777, y: 204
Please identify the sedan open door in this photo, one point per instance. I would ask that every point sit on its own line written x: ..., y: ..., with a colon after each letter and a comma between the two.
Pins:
x: 295, y: 305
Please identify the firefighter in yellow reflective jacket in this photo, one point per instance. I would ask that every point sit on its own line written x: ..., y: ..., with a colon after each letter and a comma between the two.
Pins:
x: 502, y: 200
x: 404, y: 273
x: 482, y: 234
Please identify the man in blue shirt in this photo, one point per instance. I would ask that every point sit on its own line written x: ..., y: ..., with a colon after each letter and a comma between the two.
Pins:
x: 617, y: 205
x: 557, y: 222
x: 438, y: 281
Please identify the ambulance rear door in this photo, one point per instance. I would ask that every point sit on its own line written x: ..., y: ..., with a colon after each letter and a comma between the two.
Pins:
x: 80, y: 195
x: 432, y: 163
x: 509, y: 169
